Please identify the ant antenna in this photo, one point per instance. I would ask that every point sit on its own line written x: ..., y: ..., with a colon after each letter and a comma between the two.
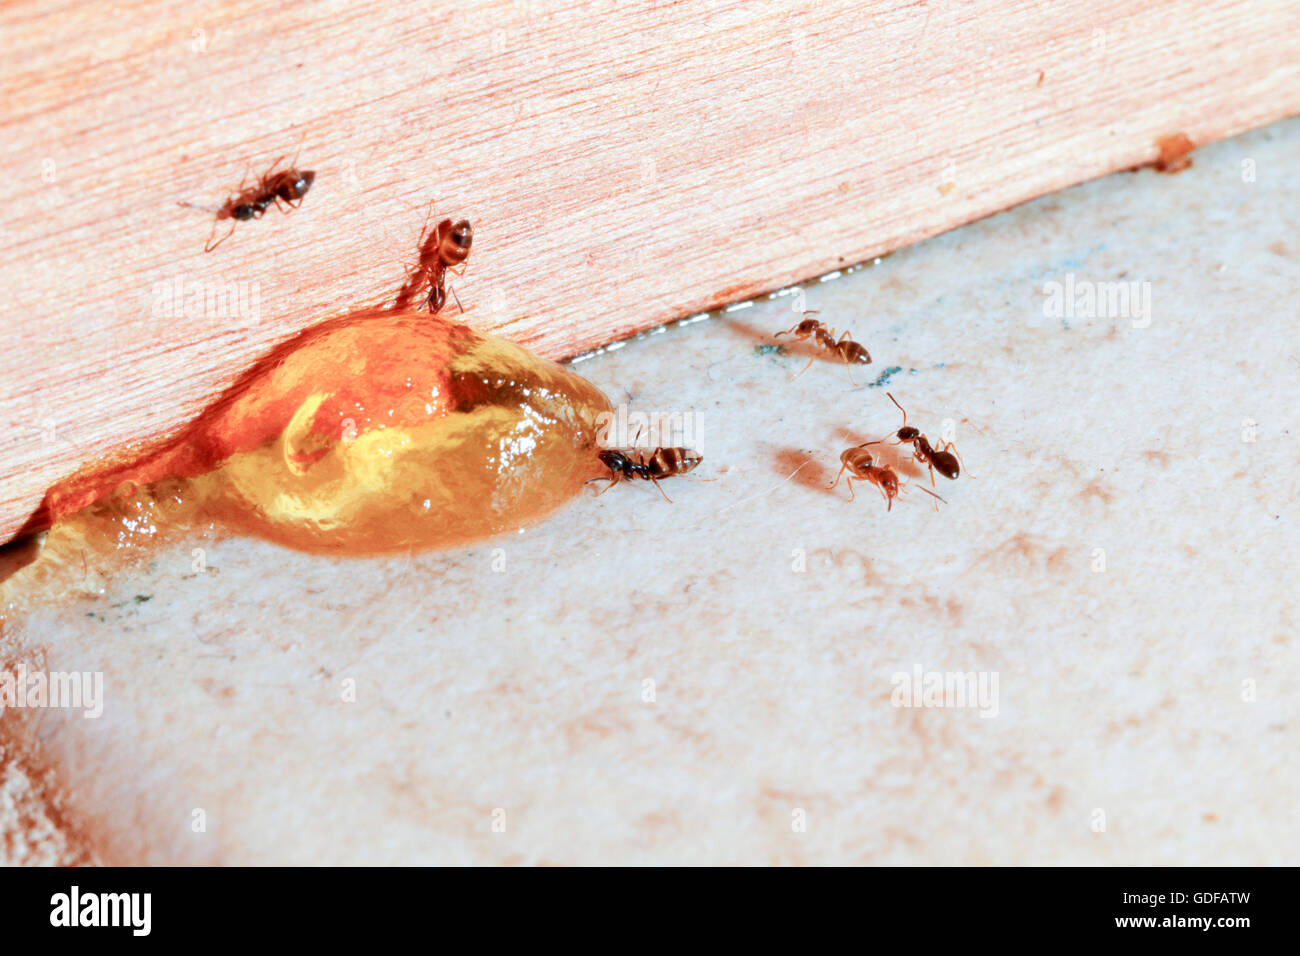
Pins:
x: 931, y: 494
x: 790, y: 331
x: 950, y: 447
x: 900, y: 407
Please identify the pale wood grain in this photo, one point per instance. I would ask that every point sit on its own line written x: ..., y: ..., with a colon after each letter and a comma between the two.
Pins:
x: 622, y: 165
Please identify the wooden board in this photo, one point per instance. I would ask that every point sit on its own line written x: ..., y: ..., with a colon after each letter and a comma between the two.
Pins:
x: 623, y: 165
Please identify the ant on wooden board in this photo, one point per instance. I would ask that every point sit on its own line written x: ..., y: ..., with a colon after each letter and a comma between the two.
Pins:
x: 441, y: 251
x: 288, y: 186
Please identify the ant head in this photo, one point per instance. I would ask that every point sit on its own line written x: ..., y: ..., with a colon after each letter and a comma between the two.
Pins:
x: 456, y: 240
x: 614, y: 460
x: 908, y: 433
x: 805, y: 328
x: 437, y: 298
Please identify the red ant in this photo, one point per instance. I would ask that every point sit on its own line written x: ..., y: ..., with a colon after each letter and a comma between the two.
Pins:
x: 940, y: 459
x: 288, y: 186
x: 648, y: 466
x: 441, y: 250
x: 861, y: 465
x: 845, y: 349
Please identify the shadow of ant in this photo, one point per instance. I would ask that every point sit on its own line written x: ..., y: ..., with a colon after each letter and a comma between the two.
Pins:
x: 763, y: 337
x: 802, y: 468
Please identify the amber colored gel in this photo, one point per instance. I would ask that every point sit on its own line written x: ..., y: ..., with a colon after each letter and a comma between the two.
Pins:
x: 377, y: 432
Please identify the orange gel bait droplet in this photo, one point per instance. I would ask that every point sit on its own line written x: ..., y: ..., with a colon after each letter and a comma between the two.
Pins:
x: 373, y: 433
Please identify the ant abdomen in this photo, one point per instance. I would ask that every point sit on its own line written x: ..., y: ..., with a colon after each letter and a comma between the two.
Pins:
x: 854, y: 354
x: 294, y: 185
x: 945, y: 463
x: 454, y: 245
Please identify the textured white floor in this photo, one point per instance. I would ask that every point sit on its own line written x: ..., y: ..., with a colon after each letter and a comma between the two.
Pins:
x: 511, y: 686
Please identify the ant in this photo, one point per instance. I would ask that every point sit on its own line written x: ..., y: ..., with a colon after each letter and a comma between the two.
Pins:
x: 648, y: 466
x: 941, y: 459
x: 441, y: 250
x: 845, y: 349
x: 288, y: 186
x: 862, y: 466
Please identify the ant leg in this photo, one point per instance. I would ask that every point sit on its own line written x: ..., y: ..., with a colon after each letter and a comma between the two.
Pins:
x: 804, y: 369
x: 288, y: 202
x: 848, y: 481
x: 889, y: 502
x: 452, y: 290
x: 424, y: 230
x: 837, y: 478
x: 272, y: 169
x: 209, y: 248
x: 612, y: 479
x: 932, y: 485
x: 661, y: 491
